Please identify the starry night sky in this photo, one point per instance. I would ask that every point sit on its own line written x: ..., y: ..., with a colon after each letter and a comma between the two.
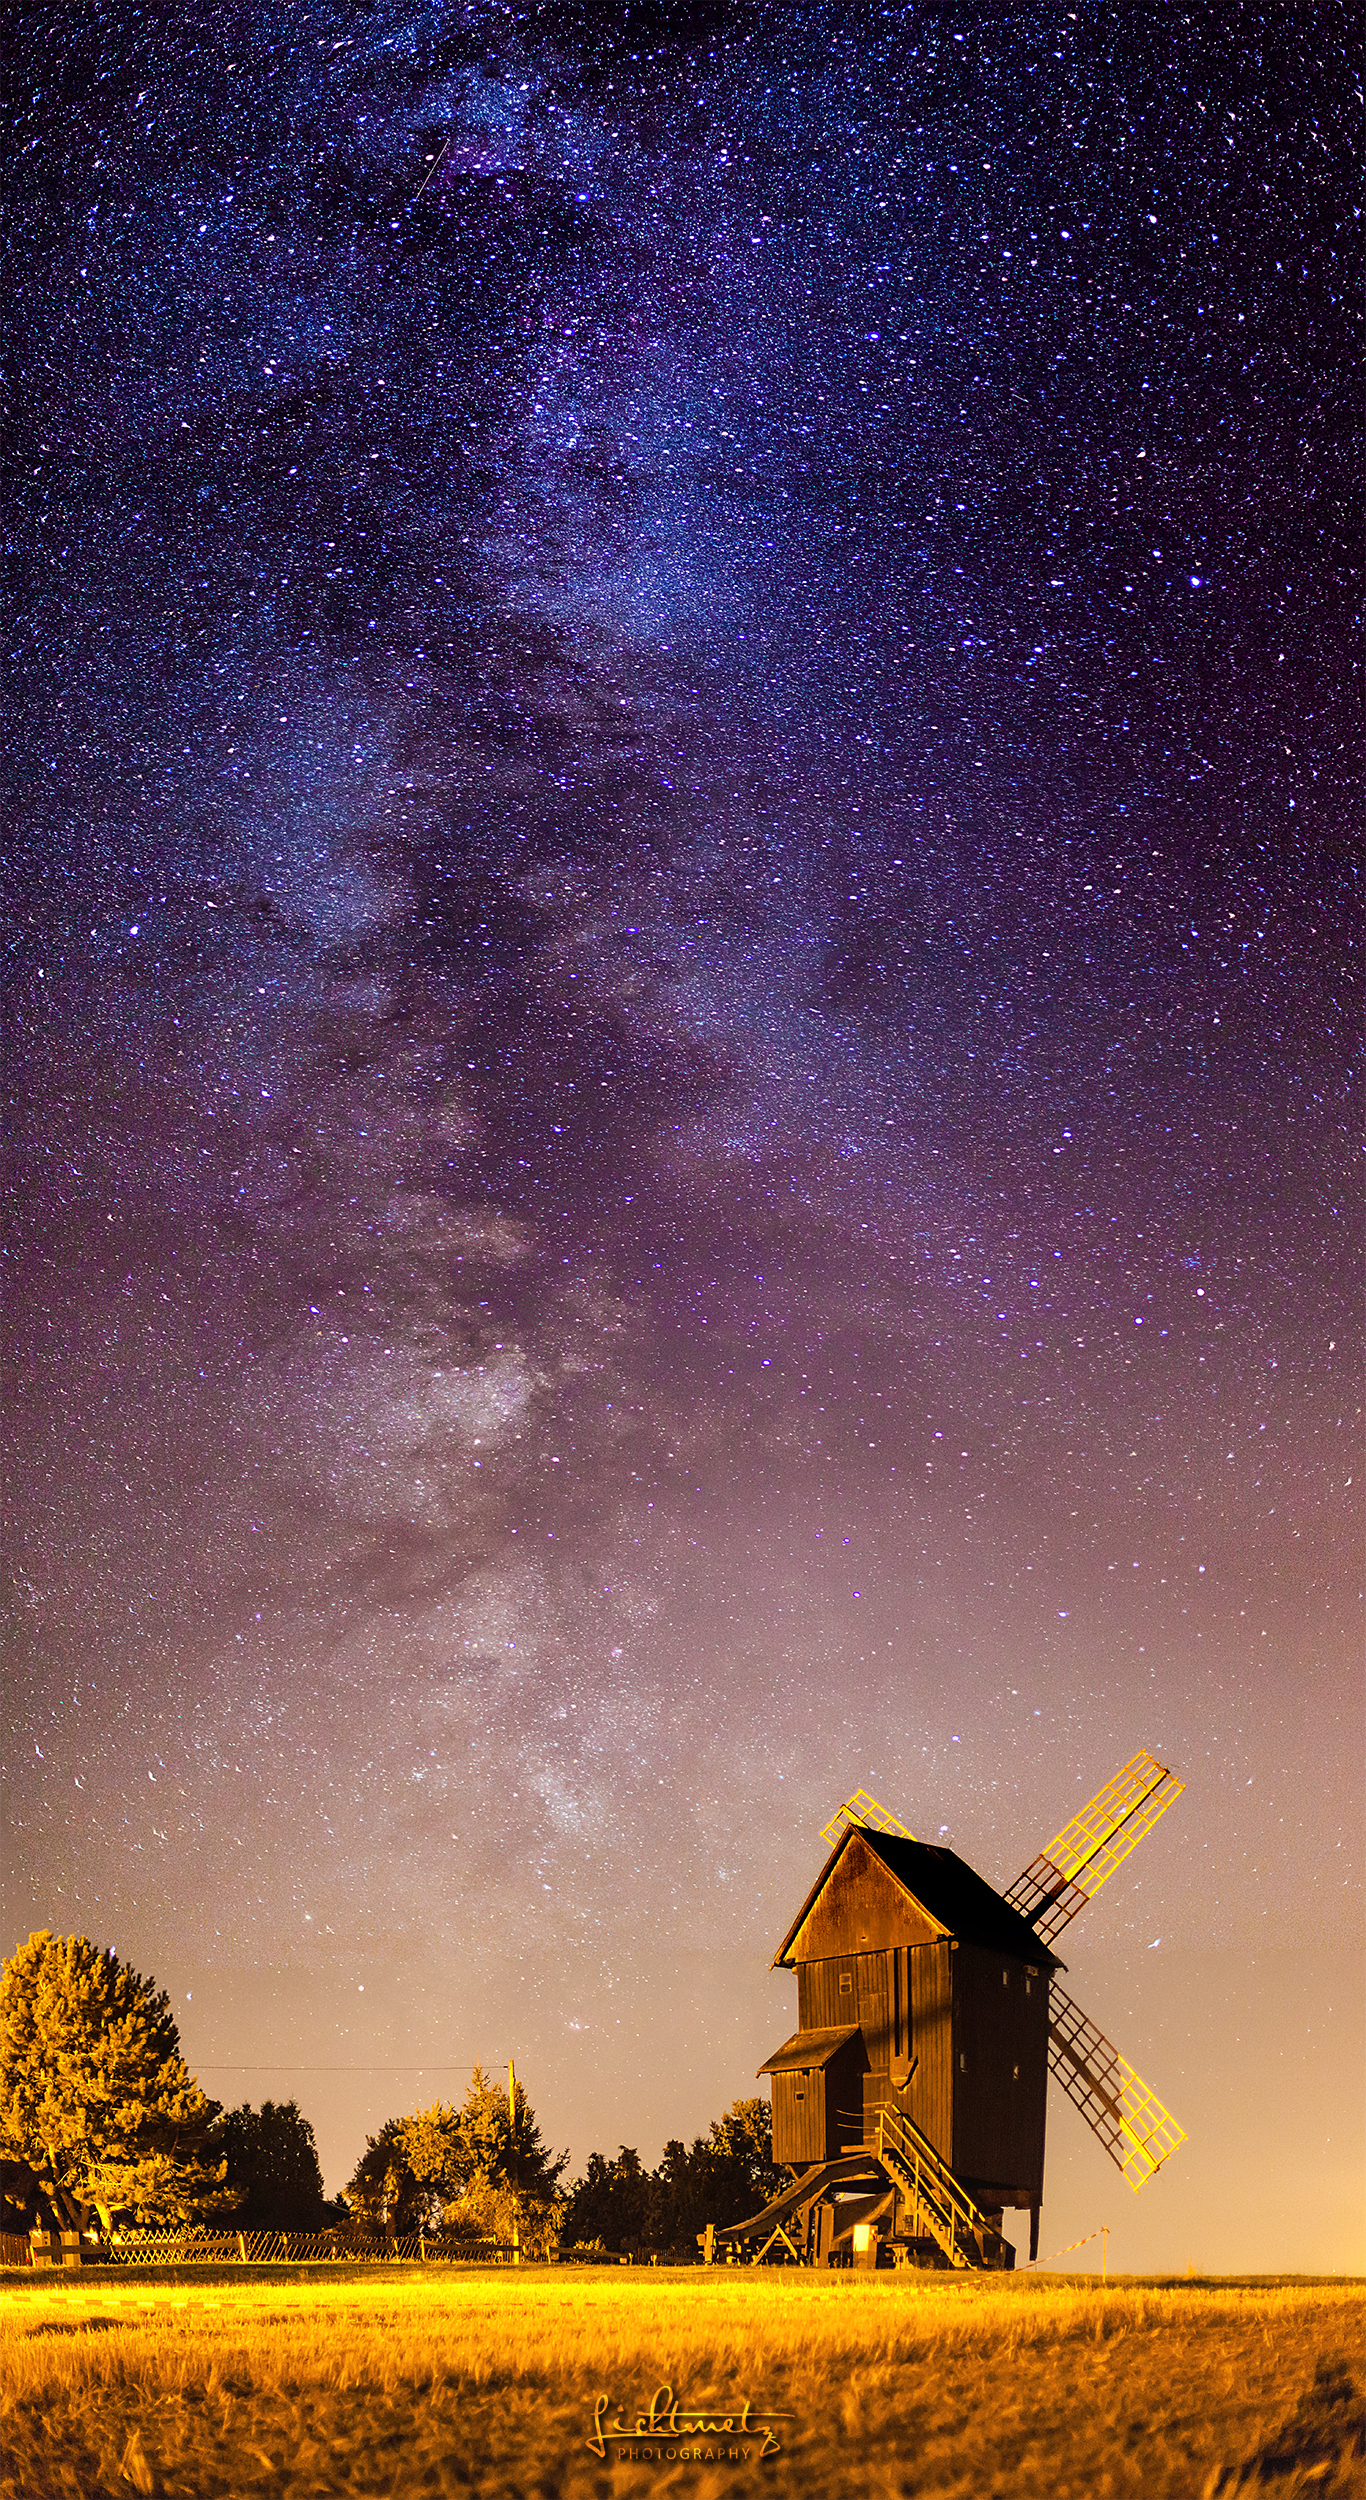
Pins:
x: 682, y: 994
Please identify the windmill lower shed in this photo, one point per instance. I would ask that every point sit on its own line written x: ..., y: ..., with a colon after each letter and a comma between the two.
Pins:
x: 910, y: 2103
x: 817, y: 2083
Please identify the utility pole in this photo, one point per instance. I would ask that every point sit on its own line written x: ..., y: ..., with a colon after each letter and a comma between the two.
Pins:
x: 512, y: 2124
x: 1104, y: 2251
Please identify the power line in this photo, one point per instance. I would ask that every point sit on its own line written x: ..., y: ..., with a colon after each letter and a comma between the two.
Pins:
x: 275, y: 2066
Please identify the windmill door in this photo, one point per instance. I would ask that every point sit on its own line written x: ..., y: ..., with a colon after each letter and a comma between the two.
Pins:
x: 799, y: 2124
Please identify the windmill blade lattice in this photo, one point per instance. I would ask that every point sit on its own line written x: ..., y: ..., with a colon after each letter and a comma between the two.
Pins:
x: 862, y: 1810
x: 1071, y: 1870
x: 1138, y: 2133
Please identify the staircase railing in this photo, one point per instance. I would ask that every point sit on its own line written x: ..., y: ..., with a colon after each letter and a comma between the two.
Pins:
x: 927, y: 2182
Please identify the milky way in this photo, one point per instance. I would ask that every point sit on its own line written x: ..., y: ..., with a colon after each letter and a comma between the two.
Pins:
x: 682, y: 949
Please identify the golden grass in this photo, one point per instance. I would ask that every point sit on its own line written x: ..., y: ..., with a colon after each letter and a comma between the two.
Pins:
x: 452, y: 2383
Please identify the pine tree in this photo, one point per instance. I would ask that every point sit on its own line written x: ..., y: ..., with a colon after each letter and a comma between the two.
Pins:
x: 92, y: 2081
x: 272, y: 2160
x: 499, y: 2171
x: 382, y: 2190
x: 502, y: 2143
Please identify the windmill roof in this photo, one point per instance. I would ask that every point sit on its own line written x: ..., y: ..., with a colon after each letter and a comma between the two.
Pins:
x: 808, y: 2050
x: 950, y: 1892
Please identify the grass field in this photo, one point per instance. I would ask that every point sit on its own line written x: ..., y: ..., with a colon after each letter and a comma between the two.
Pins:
x: 381, y: 2381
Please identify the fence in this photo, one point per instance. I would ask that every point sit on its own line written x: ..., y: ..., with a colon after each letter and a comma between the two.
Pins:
x: 264, y: 2248
x: 297, y: 2248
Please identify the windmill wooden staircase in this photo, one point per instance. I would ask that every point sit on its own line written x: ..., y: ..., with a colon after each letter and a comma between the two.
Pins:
x: 938, y: 2207
x: 940, y: 2217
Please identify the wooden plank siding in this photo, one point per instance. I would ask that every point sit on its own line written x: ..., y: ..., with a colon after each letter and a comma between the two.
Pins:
x: 873, y: 1979
x: 826, y: 1994
x: 861, y: 1909
x: 1000, y: 2070
x: 928, y: 2098
x: 800, y: 2131
x: 902, y: 2000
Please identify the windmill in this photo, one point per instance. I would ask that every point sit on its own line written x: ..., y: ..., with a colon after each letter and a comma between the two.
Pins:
x: 910, y: 2102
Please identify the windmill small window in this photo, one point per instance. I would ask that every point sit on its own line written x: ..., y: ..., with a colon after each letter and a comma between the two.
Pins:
x: 846, y: 1983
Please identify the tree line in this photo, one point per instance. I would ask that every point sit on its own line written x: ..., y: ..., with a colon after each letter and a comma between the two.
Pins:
x: 95, y: 2093
x: 480, y: 2168
x: 721, y: 2177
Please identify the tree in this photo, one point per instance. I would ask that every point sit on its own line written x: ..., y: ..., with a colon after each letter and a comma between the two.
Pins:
x: 617, y: 2202
x: 273, y: 2167
x: 744, y: 2139
x: 382, y: 2191
x: 722, y: 2177
x: 92, y: 2083
x: 477, y: 2169
x: 489, y: 2138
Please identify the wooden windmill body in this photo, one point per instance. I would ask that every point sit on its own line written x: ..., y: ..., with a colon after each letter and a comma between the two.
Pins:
x: 910, y: 2103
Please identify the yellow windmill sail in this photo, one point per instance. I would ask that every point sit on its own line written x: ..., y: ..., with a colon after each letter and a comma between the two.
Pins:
x: 1137, y: 2131
x: 863, y: 1811
x: 1084, y: 1855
